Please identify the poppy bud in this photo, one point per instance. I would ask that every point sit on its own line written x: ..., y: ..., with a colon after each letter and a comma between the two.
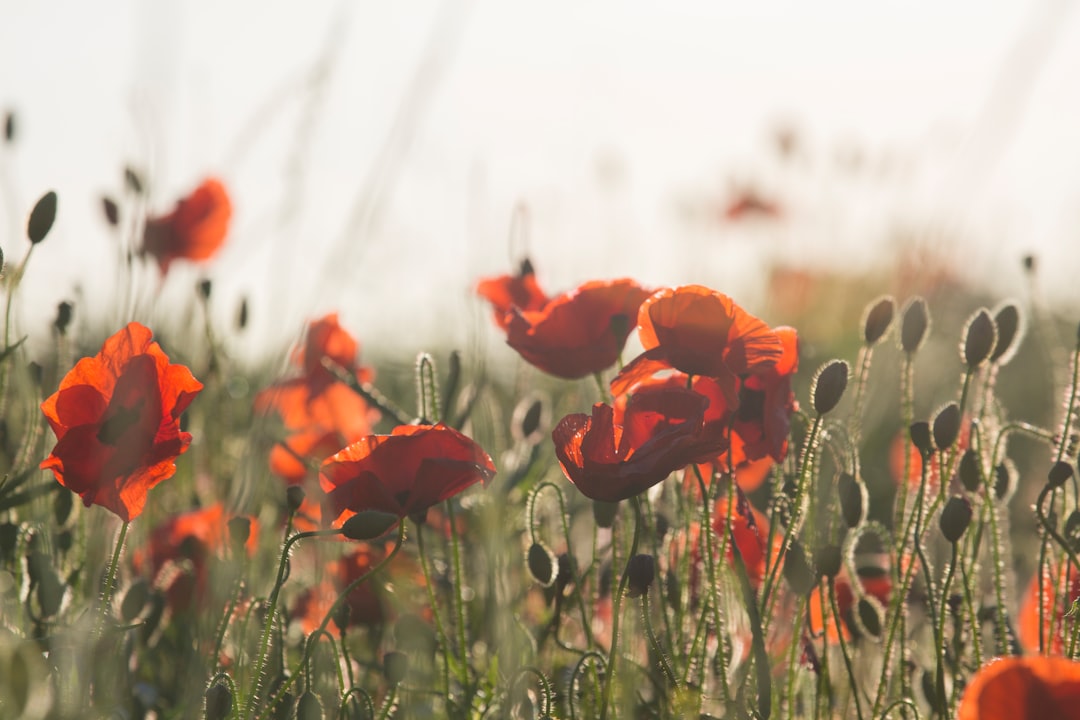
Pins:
x: 868, y: 614
x: 239, y: 530
x: 1059, y: 474
x: 395, y: 665
x: 604, y: 513
x: 132, y: 180
x: 9, y: 126
x: 203, y: 287
x: 294, y: 497
x: 564, y: 574
x: 797, y: 571
x: 829, y: 559
x: 342, y: 614
x: 368, y: 524
x: 1072, y: 530
x: 852, y: 499
x: 111, y: 210
x: 947, y: 426
x: 829, y: 385
x: 41, y: 218
x: 64, y: 312
x: 542, y: 564
x: 877, y: 319
x: 913, y: 325
x: 1029, y: 263
x: 219, y: 702
x: 970, y: 472
x: 640, y: 573
x: 920, y: 438
x: 1007, y: 320
x: 134, y: 600
x: 309, y: 707
x: 62, y: 505
x: 980, y: 337
x: 242, y: 314
x: 1004, y: 482
x: 955, y: 518
x: 526, y: 268
x: 528, y: 420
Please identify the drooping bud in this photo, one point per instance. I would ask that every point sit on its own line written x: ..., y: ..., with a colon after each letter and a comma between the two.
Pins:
x: 913, y: 325
x: 1007, y: 320
x: 947, y: 426
x: 309, y: 707
x: 852, y: 499
x: 395, y: 665
x: 800, y: 577
x: 829, y: 385
x: 980, y: 337
x: 604, y: 513
x: 920, y: 438
x: 877, y: 319
x: 640, y: 573
x: 955, y: 518
x: 42, y: 218
x: 219, y: 701
x: 368, y: 524
x: 529, y: 420
x: 239, y: 530
x: 63, y: 504
x: 1059, y: 474
x: 970, y: 473
x: 1004, y: 480
x: 542, y: 564
x: 203, y: 288
x: 829, y: 559
x: 868, y: 613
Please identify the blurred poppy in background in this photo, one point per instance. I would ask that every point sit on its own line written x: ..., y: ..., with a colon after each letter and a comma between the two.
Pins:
x: 507, y: 292
x: 1023, y: 688
x: 194, y: 230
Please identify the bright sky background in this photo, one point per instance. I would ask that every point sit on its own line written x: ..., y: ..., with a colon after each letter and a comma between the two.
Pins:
x: 376, y: 151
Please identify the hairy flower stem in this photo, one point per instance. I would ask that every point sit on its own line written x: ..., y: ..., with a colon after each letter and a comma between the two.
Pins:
x: 459, y: 602
x: 661, y: 654
x: 271, y: 614
x: 855, y: 690
x: 616, y: 607
x: 110, y: 579
x: 440, y: 628
x: 713, y: 600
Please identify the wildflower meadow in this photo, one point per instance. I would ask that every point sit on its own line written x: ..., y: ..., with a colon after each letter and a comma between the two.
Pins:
x: 668, y: 508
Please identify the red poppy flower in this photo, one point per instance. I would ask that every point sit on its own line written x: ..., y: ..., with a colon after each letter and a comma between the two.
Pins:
x: 192, y: 539
x: 506, y: 292
x: 661, y: 430
x: 195, y: 230
x: 403, y: 473
x: 321, y: 413
x: 1059, y: 593
x: 1023, y: 688
x: 116, y: 417
x: 580, y: 332
x: 699, y: 331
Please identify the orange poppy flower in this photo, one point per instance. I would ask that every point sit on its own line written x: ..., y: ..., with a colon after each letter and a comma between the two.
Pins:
x: 580, y: 332
x: 403, y: 473
x: 699, y: 331
x: 1059, y: 594
x: 193, y: 537
x: 506, y: 292
x: 1023, y: 688
x: 194, y: 230
x: 321, y: 413
x: 116, y: 417
x: 662, y: 430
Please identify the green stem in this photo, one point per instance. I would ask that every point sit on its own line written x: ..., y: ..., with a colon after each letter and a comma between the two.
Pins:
x: 657, y: 648
x: 110, y: 578
x: 855, y: 691
x: 459, y: 601
x: 616, y: 607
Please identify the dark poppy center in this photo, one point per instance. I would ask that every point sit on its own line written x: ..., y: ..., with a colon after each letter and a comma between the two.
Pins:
x: 121, y: 420
x: 751, y: 405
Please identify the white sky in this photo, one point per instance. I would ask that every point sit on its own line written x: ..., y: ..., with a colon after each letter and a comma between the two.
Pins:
x: 609, y: 119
